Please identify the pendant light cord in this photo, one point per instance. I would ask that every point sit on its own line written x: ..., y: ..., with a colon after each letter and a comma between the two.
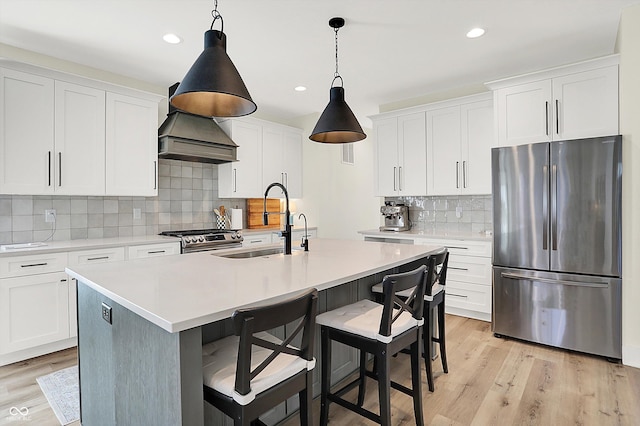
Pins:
x: 216, y: 15
x: 336, y: 75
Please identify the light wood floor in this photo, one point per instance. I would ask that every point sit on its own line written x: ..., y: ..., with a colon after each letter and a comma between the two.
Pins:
x: 490, y: 382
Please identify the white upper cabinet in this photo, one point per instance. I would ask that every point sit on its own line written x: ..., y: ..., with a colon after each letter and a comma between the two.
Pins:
x: 26, y: 133
x: 242, y: 178
x: 132, y: 146
x: 267, y: 152
x: 570, y: 102
x: 79, y: 155
x: 476, y: 140
x: 459, y: 142
x: 62, y: 134
x: 401, y: 155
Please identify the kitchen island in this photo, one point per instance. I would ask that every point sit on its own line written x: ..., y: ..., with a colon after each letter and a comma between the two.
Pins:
x: 142, y: 364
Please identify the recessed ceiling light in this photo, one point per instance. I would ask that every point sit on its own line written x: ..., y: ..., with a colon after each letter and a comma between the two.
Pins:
x: 171, y: 38
x: 476, y: 32
x: 300, y: 88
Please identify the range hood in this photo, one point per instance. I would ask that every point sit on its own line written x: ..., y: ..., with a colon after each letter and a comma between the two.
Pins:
x: 195, y: 138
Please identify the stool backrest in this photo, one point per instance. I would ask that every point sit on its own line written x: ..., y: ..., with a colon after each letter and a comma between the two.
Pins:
x: 249, y: 321
x: 394, y: 306
x: 437, y: 270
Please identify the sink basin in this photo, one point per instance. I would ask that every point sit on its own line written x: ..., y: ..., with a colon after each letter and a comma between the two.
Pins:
x: 256, y: 252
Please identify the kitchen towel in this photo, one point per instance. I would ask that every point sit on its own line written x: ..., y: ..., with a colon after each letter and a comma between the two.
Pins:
x: 236, y: 218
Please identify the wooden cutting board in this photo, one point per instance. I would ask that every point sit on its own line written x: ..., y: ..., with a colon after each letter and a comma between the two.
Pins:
x: 255, y: 208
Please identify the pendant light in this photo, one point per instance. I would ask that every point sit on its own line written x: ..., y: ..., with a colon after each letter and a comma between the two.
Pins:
x: 337, y: 124
x: 213, y: 87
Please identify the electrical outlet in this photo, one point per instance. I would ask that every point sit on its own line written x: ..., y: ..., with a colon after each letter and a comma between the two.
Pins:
x: 459, y: 212
x: 136, y: 213
x: 106, y: 312
x: 50, y: 215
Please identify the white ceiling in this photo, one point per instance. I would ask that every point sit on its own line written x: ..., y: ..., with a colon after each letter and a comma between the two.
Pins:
x: 388, y: 51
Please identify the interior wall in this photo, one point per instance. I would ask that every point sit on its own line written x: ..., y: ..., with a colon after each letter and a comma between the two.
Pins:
x: 628, y: 45
x: 338, y: 198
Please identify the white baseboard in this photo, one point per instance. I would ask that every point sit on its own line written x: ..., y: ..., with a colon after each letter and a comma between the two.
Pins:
x: 631, y: 355
x: 21, y: 355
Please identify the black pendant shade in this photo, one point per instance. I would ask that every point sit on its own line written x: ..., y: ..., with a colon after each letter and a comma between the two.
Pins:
x: 213, y: 87
x: 337, y: 124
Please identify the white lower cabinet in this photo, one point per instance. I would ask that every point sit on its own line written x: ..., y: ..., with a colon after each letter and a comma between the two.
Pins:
x: 38, y: 312
x: 468, y: 287
x: 34, y: 310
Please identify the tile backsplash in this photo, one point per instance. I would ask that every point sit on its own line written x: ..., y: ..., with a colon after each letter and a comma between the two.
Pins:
x: 440, y: 214
x: 187, y: 194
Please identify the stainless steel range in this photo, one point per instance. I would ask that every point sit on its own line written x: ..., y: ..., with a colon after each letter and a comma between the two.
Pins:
x: 207, y: 239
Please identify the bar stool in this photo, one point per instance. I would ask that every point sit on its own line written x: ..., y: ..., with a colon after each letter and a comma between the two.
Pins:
x: 382, y: 330
x: 247, y: 374
x: 434, y: 296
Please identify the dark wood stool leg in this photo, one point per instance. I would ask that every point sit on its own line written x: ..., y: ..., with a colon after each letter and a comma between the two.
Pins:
x: 326, y: 375
x: 363, y: 376
x: 384, y: 387
x: 306, y: 398
x: 428, y: 339
x: 416, y: 380
x: 441, y: 337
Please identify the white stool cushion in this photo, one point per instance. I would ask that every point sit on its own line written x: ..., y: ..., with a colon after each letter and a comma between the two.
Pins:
x: 363, y: 318
x: 437, y: 288
x: 219, y: 361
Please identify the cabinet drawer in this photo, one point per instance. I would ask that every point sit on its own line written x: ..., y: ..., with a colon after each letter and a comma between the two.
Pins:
x: 469, y: 269
x: 465, y: 248
x: 20, y: 266
x: 86, y: 257
x: 468, y: 296
x: 256, y: 239
x: 153, y: 250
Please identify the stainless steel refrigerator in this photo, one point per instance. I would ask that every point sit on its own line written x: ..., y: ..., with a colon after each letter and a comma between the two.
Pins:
x: 557, y: 244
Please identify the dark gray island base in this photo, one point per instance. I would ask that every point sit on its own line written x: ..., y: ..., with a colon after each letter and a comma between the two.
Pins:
x: 133, y: 371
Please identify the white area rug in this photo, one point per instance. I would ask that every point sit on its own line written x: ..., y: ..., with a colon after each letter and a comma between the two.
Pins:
x: 62, y: 391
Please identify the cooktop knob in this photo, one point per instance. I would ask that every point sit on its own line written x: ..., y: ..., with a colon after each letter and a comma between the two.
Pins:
x: 201, y: 238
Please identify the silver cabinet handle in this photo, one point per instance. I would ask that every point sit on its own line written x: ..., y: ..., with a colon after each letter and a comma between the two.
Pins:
x: 458, y: 269
x: 457, y: 295
x: 98, y: 258
x: 286, y: 178
x: 457, y: 174
x: 545, y: 208
x: 394, y: 179
x: 155, y: 175
x: 400, y: 178
x: 156, y: 252
x: 464, y: 174
x: 235, y: 180
x: 459, y: 248
x: 31, y: 265
x: 59, y: 168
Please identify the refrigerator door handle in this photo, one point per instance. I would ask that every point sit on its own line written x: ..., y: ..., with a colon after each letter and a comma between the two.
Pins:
x: 552, y: 281
x: 545, y: 209
x: 554, y: 207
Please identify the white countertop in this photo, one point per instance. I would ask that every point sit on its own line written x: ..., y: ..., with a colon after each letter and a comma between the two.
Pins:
x: 413, y: 234
x: 190, y: 290
x: 74, y: 245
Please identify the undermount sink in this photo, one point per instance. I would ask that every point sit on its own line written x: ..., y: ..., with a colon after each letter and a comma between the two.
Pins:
x: 256, y: 252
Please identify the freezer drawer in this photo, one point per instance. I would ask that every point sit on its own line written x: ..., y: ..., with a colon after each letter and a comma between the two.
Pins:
x: 581, y: 313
